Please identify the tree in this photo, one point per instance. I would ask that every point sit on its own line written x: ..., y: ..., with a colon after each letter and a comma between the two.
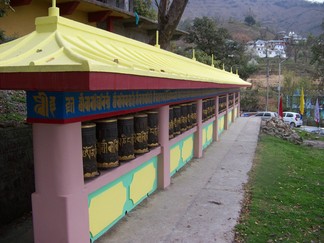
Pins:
x: 169, y: 15
x: 144, y: 8
x: 249, y: 20
x: 318, y: 57
x: 4, y: 6
x: 208, y: 38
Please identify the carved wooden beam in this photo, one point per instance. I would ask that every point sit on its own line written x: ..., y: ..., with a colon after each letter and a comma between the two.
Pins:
x: 67, y: 8
x: 15, y: 3
x: 98, y: 16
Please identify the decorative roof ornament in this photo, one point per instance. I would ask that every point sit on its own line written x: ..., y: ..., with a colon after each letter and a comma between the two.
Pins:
x: 193, y: 54
x: 212, y: 61
x: 157, y: 39
x: 54, y: 11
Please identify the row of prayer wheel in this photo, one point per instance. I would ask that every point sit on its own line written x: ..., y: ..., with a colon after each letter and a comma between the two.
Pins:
x: 107, y: 142
x: 208, y: 109
x: 181, y: 118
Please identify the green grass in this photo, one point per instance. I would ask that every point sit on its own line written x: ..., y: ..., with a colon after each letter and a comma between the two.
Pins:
x: 284, y: 197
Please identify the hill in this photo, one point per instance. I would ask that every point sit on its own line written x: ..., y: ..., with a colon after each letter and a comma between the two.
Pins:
x: 278, y: 15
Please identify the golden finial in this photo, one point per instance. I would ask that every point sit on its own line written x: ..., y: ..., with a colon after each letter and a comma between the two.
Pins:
x: 223, y: 66
x: 193, y: 55
x: 212, y: 61
x: 237, y: 71
x: 53, y: 11
x: 157, y: 39
x: 231, y: 69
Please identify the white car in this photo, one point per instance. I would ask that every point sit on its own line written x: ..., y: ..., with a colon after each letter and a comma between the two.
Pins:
x: 266, y: 115
x: 292, y: 118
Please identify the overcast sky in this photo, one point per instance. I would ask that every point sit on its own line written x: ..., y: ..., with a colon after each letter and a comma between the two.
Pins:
x: 318, y: 1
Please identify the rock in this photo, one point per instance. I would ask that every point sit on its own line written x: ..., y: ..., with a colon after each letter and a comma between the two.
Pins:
x: 276, y: 127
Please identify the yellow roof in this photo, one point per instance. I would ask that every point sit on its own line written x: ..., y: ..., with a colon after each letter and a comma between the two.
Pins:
x: 62, y: 45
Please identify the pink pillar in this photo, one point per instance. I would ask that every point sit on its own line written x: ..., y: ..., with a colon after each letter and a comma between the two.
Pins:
x: 226, y: 115
x: 198, y: 151
x: 215, y: 134
x: 164, y: 158
x: 239, y: 104
x: 60, y: 204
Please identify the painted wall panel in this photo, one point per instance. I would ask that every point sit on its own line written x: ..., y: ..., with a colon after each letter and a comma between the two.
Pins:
x: 181, y: 153
x: 109, y: 204
x: 221, y: 124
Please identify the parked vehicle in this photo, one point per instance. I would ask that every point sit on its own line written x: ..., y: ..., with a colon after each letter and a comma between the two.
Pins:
x: 292, y: 118
x: 266, y: 115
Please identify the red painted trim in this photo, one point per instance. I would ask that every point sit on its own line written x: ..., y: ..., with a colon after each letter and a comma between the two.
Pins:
x: 85, y: 81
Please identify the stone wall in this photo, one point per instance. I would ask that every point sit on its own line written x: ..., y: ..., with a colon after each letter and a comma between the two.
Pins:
x: 16, y: 171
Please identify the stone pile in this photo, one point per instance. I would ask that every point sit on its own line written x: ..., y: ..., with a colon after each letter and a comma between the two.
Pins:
x: 276, y: 127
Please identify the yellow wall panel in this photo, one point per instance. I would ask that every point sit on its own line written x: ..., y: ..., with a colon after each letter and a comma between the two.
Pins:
x: 143, y: 182
x: 109, y: 203
x: 210, y: 132
x: 187, y: 149
x: 174, y: 158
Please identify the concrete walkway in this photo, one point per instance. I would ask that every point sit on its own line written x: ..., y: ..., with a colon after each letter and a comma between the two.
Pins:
x: 203, y: 202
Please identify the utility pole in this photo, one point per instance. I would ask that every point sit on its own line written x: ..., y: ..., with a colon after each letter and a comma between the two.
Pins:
x: 267, y: 97
x: 279, y: 86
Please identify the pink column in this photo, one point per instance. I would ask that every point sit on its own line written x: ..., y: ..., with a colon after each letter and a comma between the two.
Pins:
x: 239, y: 104
x: 226, y: 115
x: 215, y: 133
x: 60, y: 204
x: 198, y: 151
x: 164, y: 158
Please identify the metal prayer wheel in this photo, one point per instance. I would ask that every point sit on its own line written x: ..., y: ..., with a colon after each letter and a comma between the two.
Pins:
x: 107, y: 143
x: 184, y: 117
x: 213, y: 105
x: 176, y: 120
x: 171, y: 123
x: 189, y: 117
x: 141, y: 134
x: 205, y: 110
x: 89, y: 150
x: 210, y: 108
x: 194, y: 113
x: 126, y: 138
x: 153, y: 130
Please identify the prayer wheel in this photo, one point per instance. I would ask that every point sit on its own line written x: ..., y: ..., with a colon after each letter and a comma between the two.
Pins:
x: 176, y: 120
x: 205, y: 110
x: 107, y: 143
x: 89, y: 150
x: 171, y: 123
x: 213, y: 105
x: 126, y: 138
x: 210, y: 108
x: 184, y: 117
x: 189, y: 117
x: 153, y: 130
x: 194, y: 114
x: 141, y: 134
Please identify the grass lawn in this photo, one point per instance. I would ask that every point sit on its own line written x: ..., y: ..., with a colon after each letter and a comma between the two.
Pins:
x: 284, y: 197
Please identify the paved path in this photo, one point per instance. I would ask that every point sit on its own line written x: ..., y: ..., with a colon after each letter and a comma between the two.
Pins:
x: 203, y: 202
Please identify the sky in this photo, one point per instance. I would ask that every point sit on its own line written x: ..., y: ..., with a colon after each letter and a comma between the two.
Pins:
x: 317, y: 1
